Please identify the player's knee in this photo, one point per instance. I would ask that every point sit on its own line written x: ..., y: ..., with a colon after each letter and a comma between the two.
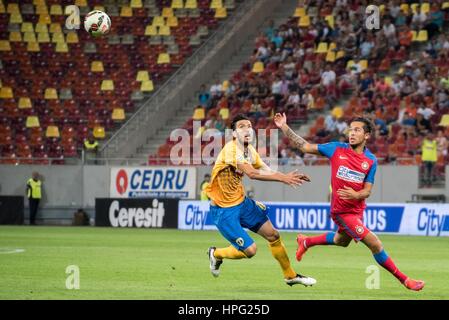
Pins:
x: 273, y: 236
x: 376, y: 247
x: 251, y: 251
x: 341, y: 243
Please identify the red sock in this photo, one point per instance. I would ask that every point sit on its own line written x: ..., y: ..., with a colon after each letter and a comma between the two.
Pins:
x: 323, y: 239
x: 385, y: 261
x: 390, y: 266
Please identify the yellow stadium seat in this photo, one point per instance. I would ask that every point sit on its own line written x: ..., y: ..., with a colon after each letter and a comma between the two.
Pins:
x: 136, y: 4
x: 62, y: 47
x: 45, y: 19
x: 43, y: 37
x: 215, y: 4
x: 191, y: 4
x: 143, y: 75
x: 382, y: 8
x: 147, y: 86
x: 340, y: 54
x: 304, y: 22
x: 101, y: 8
x: 338, y: 112
x: 221, y: 13
x: 2, y: 8
x: 414, y: 35
x: 164, y: 31
x: 118, y: 114
x: 172, y: 22
x: 199, y: 114
x: 56, y: 10
x: 300, y: 12
x: 29, y: 37
x: 332, y: 46
x: 15, y: 18
x: 57, y: 38
x: 72, y: 37
x: 5, y: 45
x: 258, y: 67
x: 158, y: 21
x: 99, y: 133
x: 167, y: 12
x: 13, y: 8
x: 364, y: 64
x: 55, y: 28
x: 24, y: 103
x: 107, y: 85
x: 81, y: 3
x: 389, y: 80
x: 331, y: 20
x: 15, y: 36
x: 425, y: 7
x: 51, y: 94
x: 414, y: 7
x: 163, y: 58
x: 322, y: 48
x: 96, y: 66
x: 444, y: 121
x: 151, y: 31
x: 41, y: 27
x: 422, y: 36
x: 39, y: 2
x: 33, y: 47
x: 6, y: 93
x: 445, y: 5
x: 126, y: 12
x: 32, y: 122
x: 41, y: 9
x: 224, y: 113
x: 404, y: 7
x: 330, y: 57
x: 27, y: 27
x: 52, y: 132
x: 177, y: 4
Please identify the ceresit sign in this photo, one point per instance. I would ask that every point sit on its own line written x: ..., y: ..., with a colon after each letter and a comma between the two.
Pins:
x: 153, y: 182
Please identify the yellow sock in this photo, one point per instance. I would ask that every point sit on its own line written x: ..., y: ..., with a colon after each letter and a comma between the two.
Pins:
x: 280, y: 254
x: 229, y: 253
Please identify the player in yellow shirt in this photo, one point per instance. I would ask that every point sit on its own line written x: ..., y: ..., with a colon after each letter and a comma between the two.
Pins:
x: 232, y: 211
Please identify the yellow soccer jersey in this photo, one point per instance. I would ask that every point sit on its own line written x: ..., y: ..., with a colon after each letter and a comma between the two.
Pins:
x: 226, y: 187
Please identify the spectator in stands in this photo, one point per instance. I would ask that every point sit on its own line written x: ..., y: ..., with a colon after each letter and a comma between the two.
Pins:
x: 429, y: 157
x: 34, y: 195
x: 341, y: 126
x: 216, y: 90
x: 442, y: 144
x: 204, y: 97
x: 330, y: 123
x: 203, y: 186
x: 389, y: 31
x: 435, y: 20
x: 256, y: 110
x: 220, y: 125
x: 423, y: 125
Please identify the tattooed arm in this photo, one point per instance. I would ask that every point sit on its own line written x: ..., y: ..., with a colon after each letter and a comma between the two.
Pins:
x: 295, y: 140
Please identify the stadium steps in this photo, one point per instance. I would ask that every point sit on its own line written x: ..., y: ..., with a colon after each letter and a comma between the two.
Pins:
x: 233, y: 65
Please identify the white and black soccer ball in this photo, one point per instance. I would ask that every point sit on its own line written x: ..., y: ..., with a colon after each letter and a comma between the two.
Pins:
x: 97, y: 23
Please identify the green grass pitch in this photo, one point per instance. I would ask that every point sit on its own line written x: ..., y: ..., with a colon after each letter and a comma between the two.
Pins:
x: 172, y: 264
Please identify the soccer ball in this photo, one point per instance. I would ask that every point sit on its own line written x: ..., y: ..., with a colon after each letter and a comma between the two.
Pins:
x: 97, y: 23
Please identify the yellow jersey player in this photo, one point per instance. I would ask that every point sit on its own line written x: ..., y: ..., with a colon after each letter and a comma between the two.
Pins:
x: 232, y: 211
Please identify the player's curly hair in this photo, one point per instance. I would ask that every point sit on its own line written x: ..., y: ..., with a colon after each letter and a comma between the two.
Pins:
x: 368, y: 125
x: 238, y: 118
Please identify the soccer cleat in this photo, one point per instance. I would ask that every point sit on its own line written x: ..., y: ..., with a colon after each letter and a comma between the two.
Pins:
x: 214, y: 262
x: 415, y: 285
x: 301, y: 248
x: 300, y: 279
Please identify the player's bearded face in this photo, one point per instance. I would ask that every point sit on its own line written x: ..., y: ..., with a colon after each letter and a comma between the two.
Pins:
x: 357, y: 135
x: 244, y: 132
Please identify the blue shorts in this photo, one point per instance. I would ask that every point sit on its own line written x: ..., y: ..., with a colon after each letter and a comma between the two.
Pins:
x: 231, y: 221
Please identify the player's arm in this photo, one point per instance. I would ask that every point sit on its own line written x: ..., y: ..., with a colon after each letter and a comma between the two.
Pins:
x: 297, y: 141
x: 350, y: 194
x: 292, y: 179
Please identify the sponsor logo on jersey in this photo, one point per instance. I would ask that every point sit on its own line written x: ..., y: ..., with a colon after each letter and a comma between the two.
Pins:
x: 347, y: 174
x: 365, y: 165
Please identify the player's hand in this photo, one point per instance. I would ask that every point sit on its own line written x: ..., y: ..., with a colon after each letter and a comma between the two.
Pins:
x: 280, y: 120
x: 305, y: 177
x: 348, y: 193
x: 295, y: 179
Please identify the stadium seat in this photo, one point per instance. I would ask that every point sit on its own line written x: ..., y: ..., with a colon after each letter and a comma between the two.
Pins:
x: 216, y: 4
x: 32, y: 122
x: 221, y: 13
x: 142, y: 75
x: 97, y: 66
x: 191, y: 4
x: 322, y: 48
x: 107, y: 85
x: 299, y: 12
x: 147, y: 86
x: 258, y: 67
x: 51, y: 94
x: 99, y: 132
x: 304, y: 22
x: 6, y: 93
x: 118, y: 114
x: 52, y: 132
x: 5, y: 45
x: 177, y: 4
x: 135, y: 4
x: 163, y: 58
x: 444, y: 122
x: 24, y: 103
